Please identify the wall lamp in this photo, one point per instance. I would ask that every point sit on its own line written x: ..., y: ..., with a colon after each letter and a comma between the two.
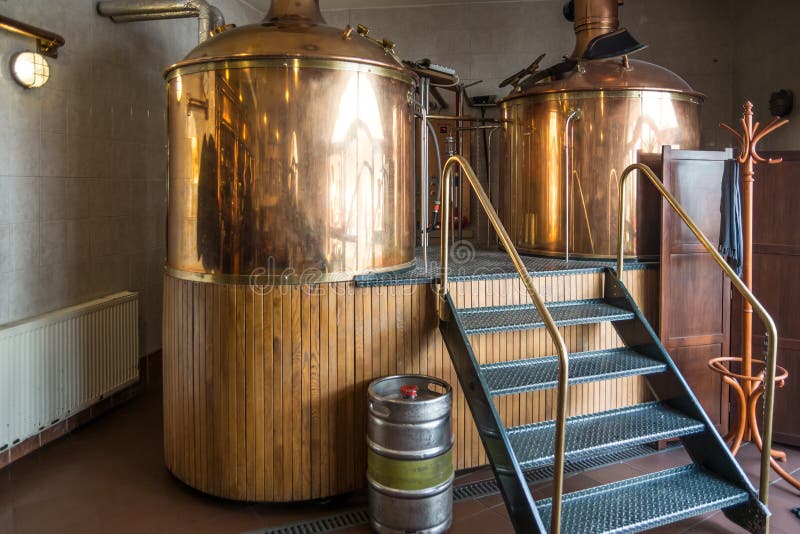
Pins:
x: 30, y: 69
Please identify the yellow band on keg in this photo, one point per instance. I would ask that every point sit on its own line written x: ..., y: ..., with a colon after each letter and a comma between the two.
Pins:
x: 410, y: 474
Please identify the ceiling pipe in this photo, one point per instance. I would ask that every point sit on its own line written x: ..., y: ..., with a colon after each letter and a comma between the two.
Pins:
x: 209, y: 18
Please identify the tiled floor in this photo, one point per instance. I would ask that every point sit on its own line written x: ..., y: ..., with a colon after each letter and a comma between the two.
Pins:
x: 109, y: 478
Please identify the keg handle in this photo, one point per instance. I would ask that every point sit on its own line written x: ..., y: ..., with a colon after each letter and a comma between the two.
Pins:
x: 574, y: 114
x: 379, y: 408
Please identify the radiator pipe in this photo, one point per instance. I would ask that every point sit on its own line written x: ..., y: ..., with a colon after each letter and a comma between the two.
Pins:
x: 209, y: 18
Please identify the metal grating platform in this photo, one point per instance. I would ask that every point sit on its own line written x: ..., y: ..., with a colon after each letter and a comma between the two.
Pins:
x: 517, y: 376
x: 600, y: 433
x: 525, y: 316
x: 644, y: 502
x: 467, y: 263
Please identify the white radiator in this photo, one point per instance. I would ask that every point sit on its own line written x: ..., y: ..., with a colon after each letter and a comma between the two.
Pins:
x: 55, y: 365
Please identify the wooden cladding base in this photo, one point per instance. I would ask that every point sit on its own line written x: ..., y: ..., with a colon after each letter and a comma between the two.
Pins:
x: 265, y: 392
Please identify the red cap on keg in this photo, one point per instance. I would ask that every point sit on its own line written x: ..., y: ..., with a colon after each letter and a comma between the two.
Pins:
x: 409, y: 391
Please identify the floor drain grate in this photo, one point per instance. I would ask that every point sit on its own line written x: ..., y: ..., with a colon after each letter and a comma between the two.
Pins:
x: 330, y: 523
x: 474, y: 490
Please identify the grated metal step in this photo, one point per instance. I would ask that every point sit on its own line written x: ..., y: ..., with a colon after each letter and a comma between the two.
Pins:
x: 525, y: 316
x: 644, y: 502
x: 533, y: 374
x: 601, y: 433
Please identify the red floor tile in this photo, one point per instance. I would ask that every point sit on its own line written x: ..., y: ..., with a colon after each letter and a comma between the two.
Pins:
x: 483, y: 523
x: 109, y: 477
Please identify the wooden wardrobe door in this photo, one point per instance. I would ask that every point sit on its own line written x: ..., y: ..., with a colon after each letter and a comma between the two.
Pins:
x: 695, y: 294
x: 776, y: 281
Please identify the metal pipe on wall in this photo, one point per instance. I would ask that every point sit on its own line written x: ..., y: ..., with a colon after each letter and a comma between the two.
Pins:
x: 574, y: 114
x: 424, y: 96
x: 156, y: 16
x: 209, y: 18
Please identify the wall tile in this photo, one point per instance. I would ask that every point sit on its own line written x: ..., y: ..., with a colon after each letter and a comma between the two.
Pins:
x: 25, y: 245
x: 79, y: 239
x: 19, y: 199
x: 5, y: 315
x: 54, y: 154
x: 24, y: 294
x: 51, y: 200
x: 6, y: 252
x: 21, y: 109
x: 53, y: 243
x: 19, y: 150
x: 54, y: 109
x: 76, y: 197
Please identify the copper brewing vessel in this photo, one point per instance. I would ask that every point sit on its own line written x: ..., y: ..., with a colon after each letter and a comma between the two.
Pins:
x: 571, y: 131
x: 291, y: 154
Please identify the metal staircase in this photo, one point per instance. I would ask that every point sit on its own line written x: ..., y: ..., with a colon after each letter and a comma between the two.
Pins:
x: 714, y: 481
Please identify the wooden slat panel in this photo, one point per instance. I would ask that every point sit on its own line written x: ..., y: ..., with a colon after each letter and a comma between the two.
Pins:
x: 322, y: 385
x: 286, y: 397
x: 251, y: 423
x: 296, y: 382
x: 359, y: 422
x: 267, y: 386
x: 265, y: 394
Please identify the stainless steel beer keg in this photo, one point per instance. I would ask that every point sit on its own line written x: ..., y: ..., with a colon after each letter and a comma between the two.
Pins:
x: 410, y: 464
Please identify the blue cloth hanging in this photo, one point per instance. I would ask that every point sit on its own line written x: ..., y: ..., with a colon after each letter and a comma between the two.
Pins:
x: 731, y: 240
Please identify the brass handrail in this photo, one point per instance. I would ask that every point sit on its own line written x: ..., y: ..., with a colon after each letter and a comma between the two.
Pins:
x: 552, y: 329
x: 771, y: 361
x: 47, y: 42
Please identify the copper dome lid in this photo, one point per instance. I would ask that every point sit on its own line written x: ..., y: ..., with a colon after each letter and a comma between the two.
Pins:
x: 294, y: 29
x: 611, y: 75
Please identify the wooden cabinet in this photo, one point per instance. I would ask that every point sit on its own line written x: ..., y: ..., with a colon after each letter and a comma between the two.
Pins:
x: 694, y: 316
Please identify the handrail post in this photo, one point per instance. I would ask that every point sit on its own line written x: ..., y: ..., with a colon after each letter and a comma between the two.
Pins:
x: 772, y: 332
x: 552, y: 329
x: 444, y: 240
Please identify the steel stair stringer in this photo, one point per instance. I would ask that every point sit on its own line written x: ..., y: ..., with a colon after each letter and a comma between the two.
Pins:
x: 706, y: 449
x: 521, y: 506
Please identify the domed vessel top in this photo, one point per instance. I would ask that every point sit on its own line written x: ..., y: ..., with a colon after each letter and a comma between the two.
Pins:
x: 610, y: 75
x: 293, y: 29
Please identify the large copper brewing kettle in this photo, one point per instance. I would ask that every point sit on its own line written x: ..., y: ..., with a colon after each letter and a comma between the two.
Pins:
x: 571, y: 129
x: 291, y: 154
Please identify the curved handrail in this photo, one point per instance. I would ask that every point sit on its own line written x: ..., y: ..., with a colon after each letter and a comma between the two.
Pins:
x: 771, y: 361
x: 552, y: 329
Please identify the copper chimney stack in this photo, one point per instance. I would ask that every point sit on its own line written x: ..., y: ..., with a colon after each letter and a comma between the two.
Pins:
x: 594, y: 18
x: 303, y: 11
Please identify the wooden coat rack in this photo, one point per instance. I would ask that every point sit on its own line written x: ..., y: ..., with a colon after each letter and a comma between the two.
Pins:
x: 749, y: 387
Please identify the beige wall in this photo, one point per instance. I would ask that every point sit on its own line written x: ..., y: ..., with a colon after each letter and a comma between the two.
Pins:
x: 83, y: 161
x: 767, y: 60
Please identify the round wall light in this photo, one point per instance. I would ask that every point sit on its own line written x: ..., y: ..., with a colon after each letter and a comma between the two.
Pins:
x: 30, y: 69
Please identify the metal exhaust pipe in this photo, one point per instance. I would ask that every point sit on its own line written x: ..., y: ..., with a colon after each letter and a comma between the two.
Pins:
x: 154, y: 16
x: 209, y: 18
